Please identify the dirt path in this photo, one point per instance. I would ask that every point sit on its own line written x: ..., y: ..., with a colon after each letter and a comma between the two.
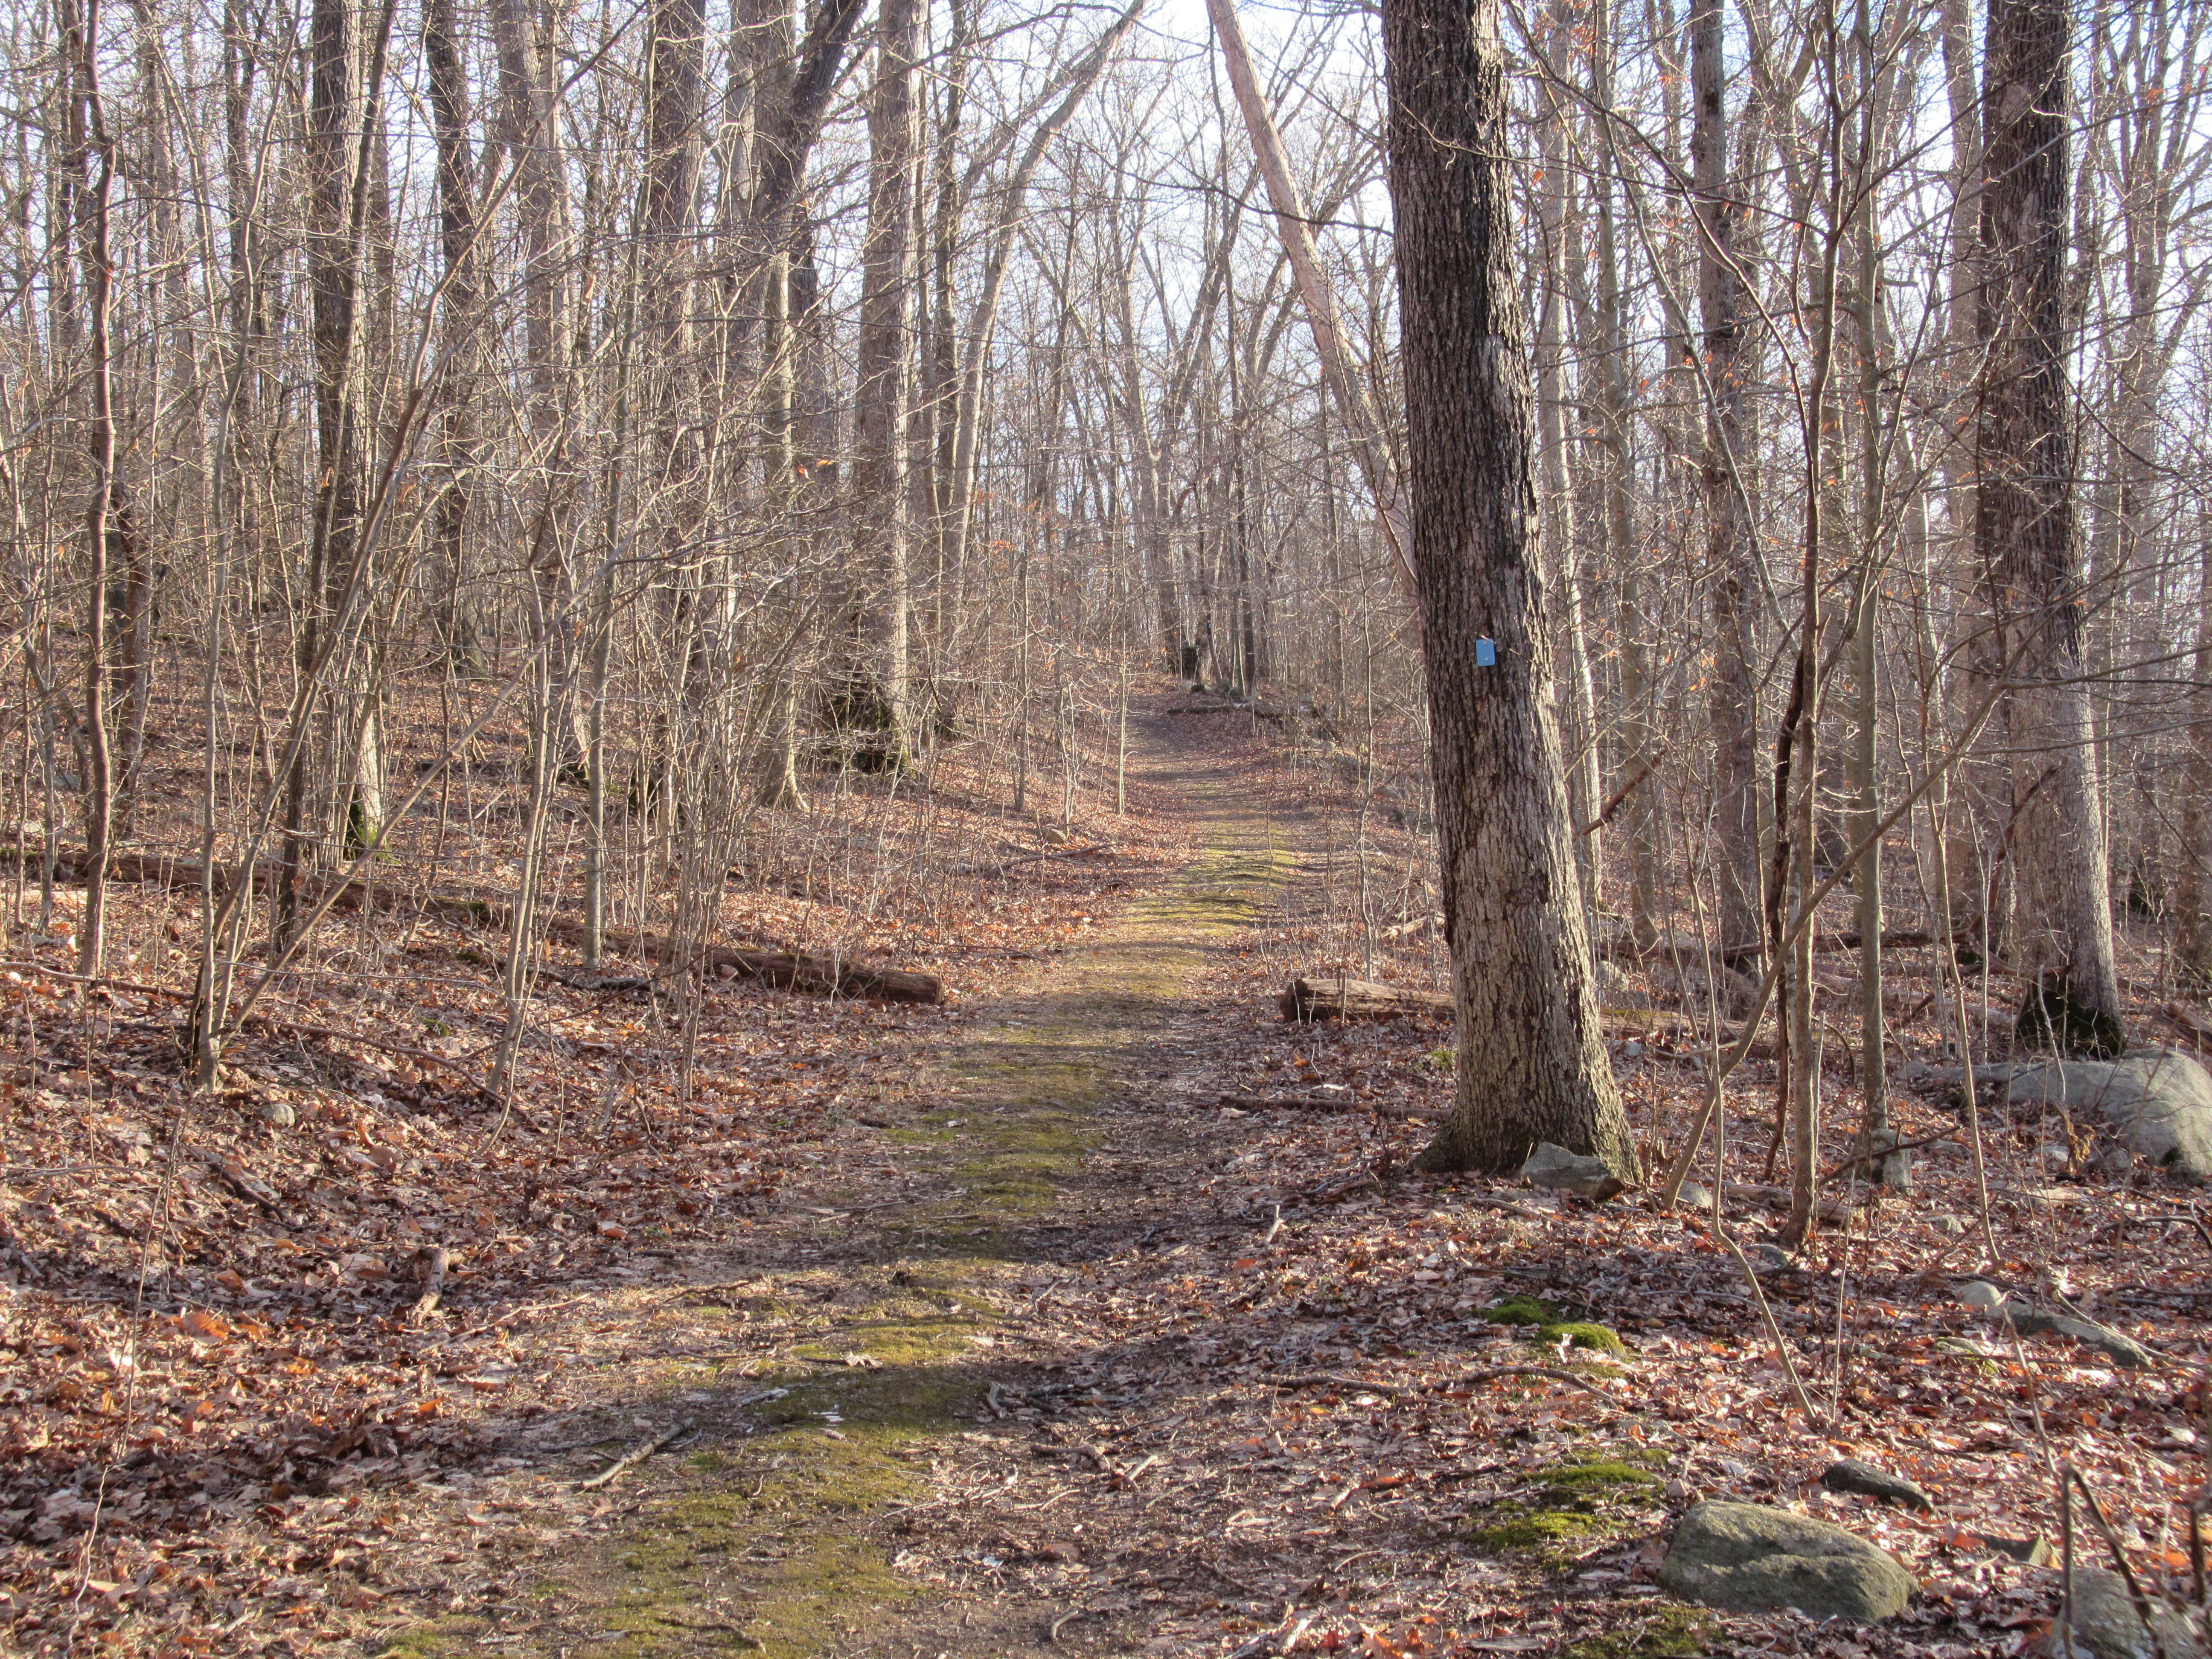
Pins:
x: 860, y: 1345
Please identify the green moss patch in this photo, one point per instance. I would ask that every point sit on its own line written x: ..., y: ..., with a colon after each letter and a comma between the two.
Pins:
x: 1586, y: 1499
x: 1581, y: 1334
x: 1600, y: 1477
x: 1552, y: 1327
x: 1530, y: 1529
x: 1671, y: 1633
x: 782, y: 1542
x: 1522, y: 1310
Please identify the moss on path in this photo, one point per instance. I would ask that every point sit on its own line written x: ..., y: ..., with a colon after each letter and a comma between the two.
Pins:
x: 769, y: 1536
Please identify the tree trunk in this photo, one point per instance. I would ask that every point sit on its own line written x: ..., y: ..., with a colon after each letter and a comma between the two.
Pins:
x: 456, y: 225
x: 333, y: 278
x: 1347, y: 385
x: 82, y: 47
x: 1731, y: 553
x: 1532, y: 1061
x: 2192, y: 887
x: 1617, y: 447
x: 876, y: 696
x: 2026, y: 525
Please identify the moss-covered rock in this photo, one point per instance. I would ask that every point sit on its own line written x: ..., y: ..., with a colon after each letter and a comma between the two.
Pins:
x: 1601, y: 1477
x: 1522, y: 1310
x: 1582, y: 1333
x: 1551, y: 1326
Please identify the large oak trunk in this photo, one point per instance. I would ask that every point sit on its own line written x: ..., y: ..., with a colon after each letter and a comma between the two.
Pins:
x: 2026, y: 522
x: 1532, y: 1061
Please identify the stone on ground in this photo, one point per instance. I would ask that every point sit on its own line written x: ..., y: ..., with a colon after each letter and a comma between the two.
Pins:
x: 2157, y: 1101
x: 2120, y: 1348
x: 1849, y: 1474
x: 1748, y: 1558
x: 1564, y: 1171
x: 2107, y: 1626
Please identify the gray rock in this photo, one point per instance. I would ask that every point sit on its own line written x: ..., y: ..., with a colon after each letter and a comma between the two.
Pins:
x: 1966, y: 1348
x: 1768, y: 1258
x: 1564, y: 1171
x: 2157, y: 1101
x: 2028, y: 1551
x: 2116, y: 1160
x: 1616, y: 990
x: 2107, y: 1626
x: 1888, y: 1163
x: 1697, y: 1195
x: 278, y: 1113
x: 2122, y: 1350
x: 2030, y: 1319
x: 1849, y: 1474
x: 1747, y: 1558
x: 1985, y: 1076
x: 1737, y: 992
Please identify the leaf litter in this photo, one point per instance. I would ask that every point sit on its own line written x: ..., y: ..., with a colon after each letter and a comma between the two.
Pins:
x: 1251, y: 1386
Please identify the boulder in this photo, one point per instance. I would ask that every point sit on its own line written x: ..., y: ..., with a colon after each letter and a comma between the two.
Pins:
x: 1564, y: 1171
x: 1888, y: 1161
x: 2158, y: 1102
x: 2120, y: 1348
x: 2107, y: 1626
x: 2030, y: 1319
x: 1849, y: 1474
x: 1748, y: 1558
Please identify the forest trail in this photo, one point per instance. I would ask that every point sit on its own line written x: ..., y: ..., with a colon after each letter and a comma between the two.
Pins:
x: 772, y: 1523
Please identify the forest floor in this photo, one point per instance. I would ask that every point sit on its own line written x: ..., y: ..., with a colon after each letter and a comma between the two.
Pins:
x: 1016, y: 1324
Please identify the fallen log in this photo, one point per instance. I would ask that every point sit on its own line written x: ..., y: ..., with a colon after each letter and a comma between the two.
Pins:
x: 786, y: 970
x: 1415, y: 927
x: 782, y: 970
x: 1618, y: 944
x: 1328, y: 1103
x: 1311, y: 997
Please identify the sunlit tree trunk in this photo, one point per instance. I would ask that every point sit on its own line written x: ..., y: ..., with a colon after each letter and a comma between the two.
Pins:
x: 2026, y: 526
x: 1532, y: 1062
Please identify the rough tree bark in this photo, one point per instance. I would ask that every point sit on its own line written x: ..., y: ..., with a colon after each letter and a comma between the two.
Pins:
x: 83, y: 46
x: 2192, y: 887
x: 1531, y: 1061
x: 876, y: 700
x: 1730, y: 549
x: 2026, y: 525
x: 456, y: 230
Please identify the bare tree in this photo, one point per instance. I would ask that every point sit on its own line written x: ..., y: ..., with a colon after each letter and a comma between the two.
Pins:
x: 2026, y: 527
x: 1532, y: 1062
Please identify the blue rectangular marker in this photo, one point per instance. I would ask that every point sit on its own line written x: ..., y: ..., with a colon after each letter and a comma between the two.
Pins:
x: 1486, y: 654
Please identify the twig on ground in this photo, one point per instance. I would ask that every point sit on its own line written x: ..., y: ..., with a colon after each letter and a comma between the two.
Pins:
x: 434, y: 1285
x: 636, y: 1454
x: 1488, y: 1374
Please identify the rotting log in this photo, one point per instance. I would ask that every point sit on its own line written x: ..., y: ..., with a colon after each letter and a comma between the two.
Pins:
x: 1311, y: 997
x: 781, y: 970
x: 786, y: 970
x: 1328, y: 1103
